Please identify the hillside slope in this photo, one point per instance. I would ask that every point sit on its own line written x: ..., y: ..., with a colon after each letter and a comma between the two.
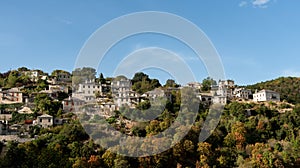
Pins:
x: 288, y: 87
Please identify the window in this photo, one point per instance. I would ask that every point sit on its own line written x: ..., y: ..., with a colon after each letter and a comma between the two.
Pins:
x: 49, y: 120
x: 88, y: 86
x: 41, y: 120
x: 83, y: 86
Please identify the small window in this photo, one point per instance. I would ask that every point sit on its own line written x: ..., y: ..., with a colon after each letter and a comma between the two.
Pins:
x: 49, y: 120
x: 41, y: 120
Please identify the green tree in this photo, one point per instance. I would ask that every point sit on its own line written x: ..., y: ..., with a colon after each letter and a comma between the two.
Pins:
x: 80, y: 75
x: 140, y: 76
x: 141, y: 83
x: 57, y: 71
x: 101, y: 78
x: 41, y: 85
x: 171, y: 83
x: 12, y: 79
x: 44, y: 104
x: 207, y: 83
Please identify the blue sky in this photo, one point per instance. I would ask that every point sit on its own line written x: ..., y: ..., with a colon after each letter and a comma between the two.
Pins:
x: 257, y: 40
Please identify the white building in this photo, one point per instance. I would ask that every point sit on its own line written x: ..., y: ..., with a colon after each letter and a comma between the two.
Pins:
x: 33, y: 75
x: 225, y: 88
x: 266, y: 95
x: 87, y: 91
x: 205, y: 98
x: 122, y: 93
x: 222, y: 92
x: 153, y: 94
x: 108, y: 108
x: 45, y: 120
x: 58, y: 88
x: 195, y: 85
x: 242, y: 93
x: 227, y: 83
x: 219, y: 100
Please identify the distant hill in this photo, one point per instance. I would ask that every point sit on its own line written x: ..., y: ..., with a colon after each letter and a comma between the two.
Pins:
x: 288, y: 87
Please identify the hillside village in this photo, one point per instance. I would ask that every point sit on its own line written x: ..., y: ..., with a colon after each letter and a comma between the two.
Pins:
x: 67, y: 118
x: 109, y: 94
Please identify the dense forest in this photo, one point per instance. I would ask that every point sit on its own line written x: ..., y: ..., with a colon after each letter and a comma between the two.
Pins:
x: 264, y: 138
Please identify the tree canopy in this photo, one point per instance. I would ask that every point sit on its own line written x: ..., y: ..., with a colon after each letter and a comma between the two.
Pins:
x: 141, y: 83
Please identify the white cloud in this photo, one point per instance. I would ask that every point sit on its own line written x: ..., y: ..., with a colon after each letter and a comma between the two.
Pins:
x: 260, y: 3
x: 291, y: 73
x: 243, y: 3
x: 65, y: 21
x: 255, y: 3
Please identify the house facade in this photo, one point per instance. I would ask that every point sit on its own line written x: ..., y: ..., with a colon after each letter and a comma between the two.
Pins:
x: 242, y: 93
x: 266, y: 95
x: 122, y: 93
x: 222, y: 92
x: 45, y: 121
x: 72, y: 104
x: 87, y: 91
x: 33, y: 75
x: 13, y: 95
x: 227, y: 83
x: 219, y: 99
x: 195, y: 85
x: 153, y: 94
x: 58, y: 88
x: 64, y: 77
x: 205, y: 98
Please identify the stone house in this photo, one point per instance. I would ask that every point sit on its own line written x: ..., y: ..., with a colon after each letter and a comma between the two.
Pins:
x: 10, y: 96
x: 72, y: 104
x: 45, y: 120
x: 242, y: 93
